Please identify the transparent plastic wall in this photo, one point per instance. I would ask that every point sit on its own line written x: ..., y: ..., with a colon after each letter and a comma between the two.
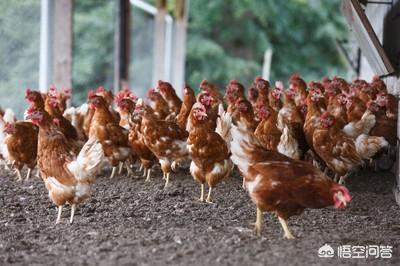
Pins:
x: 19, y: 52
x: 93, y: 47
x: 141, y: 58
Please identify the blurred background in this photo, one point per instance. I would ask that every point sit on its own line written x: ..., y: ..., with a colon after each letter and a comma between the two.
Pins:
x: 224, y: 40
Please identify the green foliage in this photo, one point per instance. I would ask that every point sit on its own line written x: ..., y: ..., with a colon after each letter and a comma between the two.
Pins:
x: 227, y: 39
x: 93, y: 47
x: 19, y: 51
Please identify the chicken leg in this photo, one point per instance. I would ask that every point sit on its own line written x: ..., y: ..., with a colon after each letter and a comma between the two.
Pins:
x: 148, y: 175
x: 120, y: 167
x: 19, y: 176
x: 73, y: 207
x: 342, y: 179
x: 166, y: 180
x: 128, y: 169
x: 144, y: 172
x: 59, y: 214
x: 141, y: 167
x: 202, y: 193
x: 174, y: 166
x: 28, y: 174
x: 259, y: 221
x: 114, y: 169
x: 287, y: 234
x: 208, y: 200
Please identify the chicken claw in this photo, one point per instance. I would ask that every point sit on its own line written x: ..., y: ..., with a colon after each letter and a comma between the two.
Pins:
x: 202, y: 193
x: 287, y: 234
x: 73, y: 207
x: 59, y: 214
x: 259, y: 221
x: 114, y: 169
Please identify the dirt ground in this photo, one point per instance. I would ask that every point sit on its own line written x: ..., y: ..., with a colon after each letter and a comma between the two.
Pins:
x: 130, y: 222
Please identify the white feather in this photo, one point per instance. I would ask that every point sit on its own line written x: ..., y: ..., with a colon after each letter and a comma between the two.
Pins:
x: 88, y: 162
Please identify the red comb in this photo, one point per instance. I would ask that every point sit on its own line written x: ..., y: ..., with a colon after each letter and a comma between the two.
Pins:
x: 91, y: 94
x: 67, y: 92
x: 295, y: 76
x: 325, y: 114
x: 376, y: 78
x: 7, y: 125
x: 150, y: 92
x: 258, y: 78
x: 31, y: 109
x: 27, y: 91
x: 100, y: 89
x: 159, y: 83
x: 204, y: 82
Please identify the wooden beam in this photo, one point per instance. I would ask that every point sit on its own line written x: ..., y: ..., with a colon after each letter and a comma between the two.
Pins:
x: 122, y: 44
x: 179, y: 45
x: 62, y: 43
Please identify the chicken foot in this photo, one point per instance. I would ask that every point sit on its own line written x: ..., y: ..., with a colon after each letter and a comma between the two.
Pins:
x: 148, y: 175
x: 114, y: 169
x: 59, y: 214
x: 19, y: 176
x: 287, y: 234
x: 209, y: 200
x: 259, y: 221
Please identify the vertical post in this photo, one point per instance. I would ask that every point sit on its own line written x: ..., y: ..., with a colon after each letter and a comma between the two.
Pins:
x: 121, y: 44
x: 396, y: 189
x: 266, y: 69
x: 62, y: 43
x: 46, y: 31
x: 178, y: 63
x: 159, y: 41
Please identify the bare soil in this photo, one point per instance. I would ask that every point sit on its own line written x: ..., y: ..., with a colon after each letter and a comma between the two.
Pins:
x: 130, y: 222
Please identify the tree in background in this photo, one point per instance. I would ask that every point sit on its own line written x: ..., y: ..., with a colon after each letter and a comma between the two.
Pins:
x: 227, y: 39
x: 19, y: 51
x: 93, y: 46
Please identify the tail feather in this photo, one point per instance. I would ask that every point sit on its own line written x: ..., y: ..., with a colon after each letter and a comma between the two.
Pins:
x: 368, y: 146
x: 88, y: 161
x: 224, y: 122
x: 363, y: 126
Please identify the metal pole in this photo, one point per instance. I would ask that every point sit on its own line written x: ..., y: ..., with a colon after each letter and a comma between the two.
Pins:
x: 46, y: 32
